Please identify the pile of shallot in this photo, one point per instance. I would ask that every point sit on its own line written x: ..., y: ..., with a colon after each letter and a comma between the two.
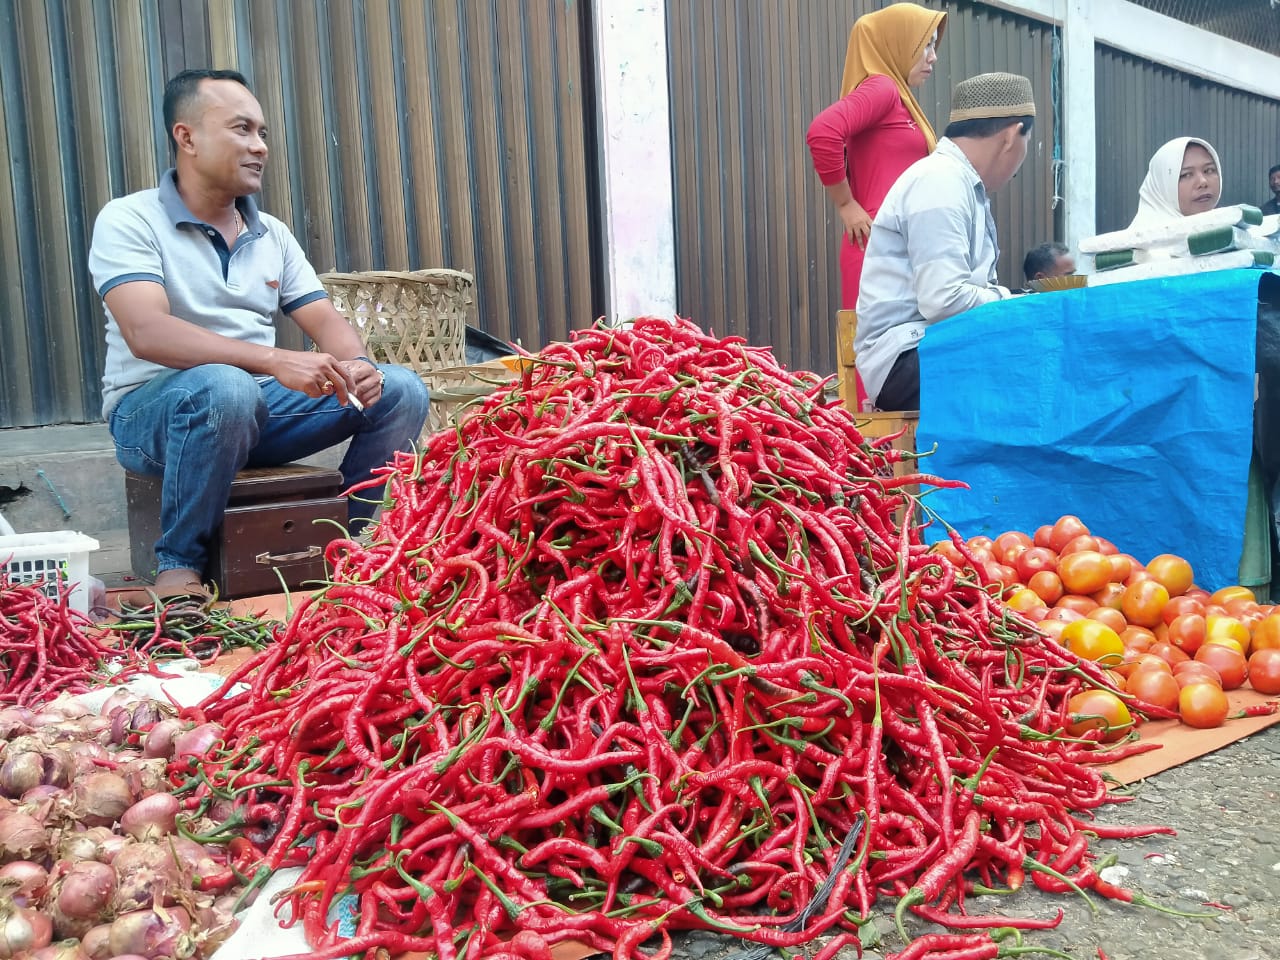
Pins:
x: 95, y: 860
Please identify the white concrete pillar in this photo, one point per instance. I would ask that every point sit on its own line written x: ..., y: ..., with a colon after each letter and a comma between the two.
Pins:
x: 1079, y: 134
x: 635, y: 126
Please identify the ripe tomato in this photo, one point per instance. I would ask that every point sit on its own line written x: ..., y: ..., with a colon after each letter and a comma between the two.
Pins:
x: 1091, y: 640
x: 1000, y: 573
x: 1042, y: 535
x: 1230, y: 664
x: 1032, y: 561
x: 1149, y: 661
x: 1052, y: 628
x: 1074, y: 601
x: 1172, y: 571
x: 1129, y: 662
x: 1167, y: 652
x: 1266, y: 633
x: 1154, y: 687
x: 1064, y: 614
x: 982, y: 554
x: 1024, y: 599
x: 1264, y: 670
x: 1079, y: 544
x: 948, y: 550
x: 1218, y: 628
x: 1143, y: 602
x: 1098, y: 709
x: 1106, y: 546
x: 1233, y: 592
x: 1193, y: 671
x: 1066, y: 529
x: 1109, y: 596
x: 1187, y: 632
x: 1202, y: 705
x: 1121, y: 565
x: 1047, y: 585
x: 1110, y: 616
x: 1139, y: 638
x: 1201, y: 595
x: 1085, y: 571
x: 1177, y: 606
x: 1008, y: 546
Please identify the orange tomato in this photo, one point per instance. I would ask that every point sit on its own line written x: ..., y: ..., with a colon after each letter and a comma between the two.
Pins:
x: 1065, y: 529
x: 1265, y: 634
x: 1080, y: 544
x: 1052, y: 628
x: 1218, y: 628
x: 1173, y: 572
x: 1167, y: 652
x: 1085, y: 571
x: 1143, y: 602
x: 1098, y: 709
x: 1121, y: 565
x: 1264, y: 670
x: 1047, y: 585
x: 947, y: 549
x: 1024, y: 599
x: 1091, y: 640
x: 1202, y: 705
x: 1178, y: 606
x: 1187, y: 632
x: 1110, y: 616
x: 1080, y: 604
x: 1042, y: 535
x: 1233, y: 592
x: 1230, y: 664
x: 1129, y: 662
x: 1199, y: 594
x: 1137, y: 575
x: 1149, y: 661
x: 1106, y: 546
x: 1193, y: 671
x: 1109, y: 596
x: 1010, y: 545
x: 1154, y: 687
x: 1064, y: 614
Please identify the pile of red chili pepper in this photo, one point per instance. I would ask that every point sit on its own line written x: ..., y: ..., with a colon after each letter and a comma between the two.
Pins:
x: 46, y: 647
x: 639, y: 646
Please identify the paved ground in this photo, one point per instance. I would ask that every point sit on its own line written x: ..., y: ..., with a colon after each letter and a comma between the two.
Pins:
x: 1225, y: 807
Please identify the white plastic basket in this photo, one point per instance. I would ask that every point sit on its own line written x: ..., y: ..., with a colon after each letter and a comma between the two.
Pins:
x: 53, y: 558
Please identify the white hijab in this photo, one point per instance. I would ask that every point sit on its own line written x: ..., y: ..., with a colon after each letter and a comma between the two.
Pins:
x: 1158, y: 196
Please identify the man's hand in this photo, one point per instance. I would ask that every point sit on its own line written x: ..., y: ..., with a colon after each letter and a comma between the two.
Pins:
x: 315, y: 374
x: 366, y: 381
x: 857, y: 224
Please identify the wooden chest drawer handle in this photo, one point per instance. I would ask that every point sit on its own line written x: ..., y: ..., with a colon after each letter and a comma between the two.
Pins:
x: 307, y: 554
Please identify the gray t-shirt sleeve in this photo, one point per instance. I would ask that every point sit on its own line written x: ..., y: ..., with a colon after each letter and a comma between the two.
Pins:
x: 299, y: 284
x: 124, y: 248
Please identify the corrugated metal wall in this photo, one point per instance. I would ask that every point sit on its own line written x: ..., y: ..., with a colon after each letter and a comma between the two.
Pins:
x: 757, y: 242
x: 404, y: 133
x: 1142, y: 105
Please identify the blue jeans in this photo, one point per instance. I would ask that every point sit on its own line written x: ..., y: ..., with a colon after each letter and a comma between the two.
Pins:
x: 196, y: 428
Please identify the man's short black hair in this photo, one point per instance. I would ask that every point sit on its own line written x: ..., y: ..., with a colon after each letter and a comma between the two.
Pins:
x: 1273, y: 171
x: 984, y: 127
x: 181, y: 90
x: 1042, y: 259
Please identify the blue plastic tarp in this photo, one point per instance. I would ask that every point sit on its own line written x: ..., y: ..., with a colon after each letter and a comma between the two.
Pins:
x: 1130, y: 405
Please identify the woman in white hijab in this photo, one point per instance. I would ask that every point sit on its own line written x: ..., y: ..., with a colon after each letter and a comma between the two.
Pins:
x: 1183, y: 178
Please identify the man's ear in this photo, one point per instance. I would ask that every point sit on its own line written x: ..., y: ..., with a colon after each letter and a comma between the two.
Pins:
x: 182, y: 136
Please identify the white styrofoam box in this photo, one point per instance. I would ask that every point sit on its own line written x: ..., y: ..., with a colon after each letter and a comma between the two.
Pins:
x: 53, y: 558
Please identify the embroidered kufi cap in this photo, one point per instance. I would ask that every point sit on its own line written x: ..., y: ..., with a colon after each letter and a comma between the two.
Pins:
x: 992, y: 95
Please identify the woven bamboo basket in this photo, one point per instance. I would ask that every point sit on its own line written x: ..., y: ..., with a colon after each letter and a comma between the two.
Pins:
x: 454, y: 389
x: 416, y: 318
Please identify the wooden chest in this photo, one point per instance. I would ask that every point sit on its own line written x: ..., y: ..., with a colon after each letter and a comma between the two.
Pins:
x: 273, y: 534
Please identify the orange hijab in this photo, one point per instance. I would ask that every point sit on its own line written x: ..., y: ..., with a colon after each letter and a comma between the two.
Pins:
x: 889, y: 42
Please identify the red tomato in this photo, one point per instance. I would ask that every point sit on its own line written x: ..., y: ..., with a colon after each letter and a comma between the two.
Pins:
x: 1098, y: 709
x: 1167, y: 652
x: 1042, y: 535
x: 1064, y: 614
x: 947, y: 549
x: 1172, y: 571
x: 1149, y: 661
x: 1106, y: 546
x: 1085, y: 571
x: 1154, y: 687
x: 1139, y: 637
x: 1009, y: 546
x: 981, y: 543
x: 982, y: 554
x: 1047, y: 585
x: 1030, y: 562
x: 1178, y: 606
x: 1202, y: 595
x: 1187, y: 633
x: 1202, y: 705
x: 1230, y: 664
x: 1143, y: 602
x: 1002, y: 574
x: 1264, y: 670
x: 1074, y: 601
x: 1052, y: 628
x: 1193, y: 671
x: 1121, y: 565
x: 1066, y: 529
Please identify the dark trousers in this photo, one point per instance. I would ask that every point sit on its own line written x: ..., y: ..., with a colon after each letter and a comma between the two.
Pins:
x: 901, y: 390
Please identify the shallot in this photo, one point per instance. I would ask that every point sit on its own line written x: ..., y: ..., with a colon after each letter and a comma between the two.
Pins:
x: 101, y: 798
x: 22, y: 837
x: 151, y: 817
x: 153, y: 933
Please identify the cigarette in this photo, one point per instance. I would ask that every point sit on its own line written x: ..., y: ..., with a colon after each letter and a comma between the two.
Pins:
x: 355, y: 402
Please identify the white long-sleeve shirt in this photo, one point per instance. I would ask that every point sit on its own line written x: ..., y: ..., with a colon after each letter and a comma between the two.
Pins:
x: 932, y: 254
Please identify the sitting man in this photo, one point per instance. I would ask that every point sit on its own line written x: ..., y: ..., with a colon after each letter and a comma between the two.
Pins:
x: 933, y: 252
x: 195, y: 278
x: 1047, y: 261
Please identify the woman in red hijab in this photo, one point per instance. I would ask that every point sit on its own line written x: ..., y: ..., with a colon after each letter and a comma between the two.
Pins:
x: 862, y: 142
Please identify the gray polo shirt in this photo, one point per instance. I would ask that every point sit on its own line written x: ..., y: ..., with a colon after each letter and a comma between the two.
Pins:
x: 239, y: 292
